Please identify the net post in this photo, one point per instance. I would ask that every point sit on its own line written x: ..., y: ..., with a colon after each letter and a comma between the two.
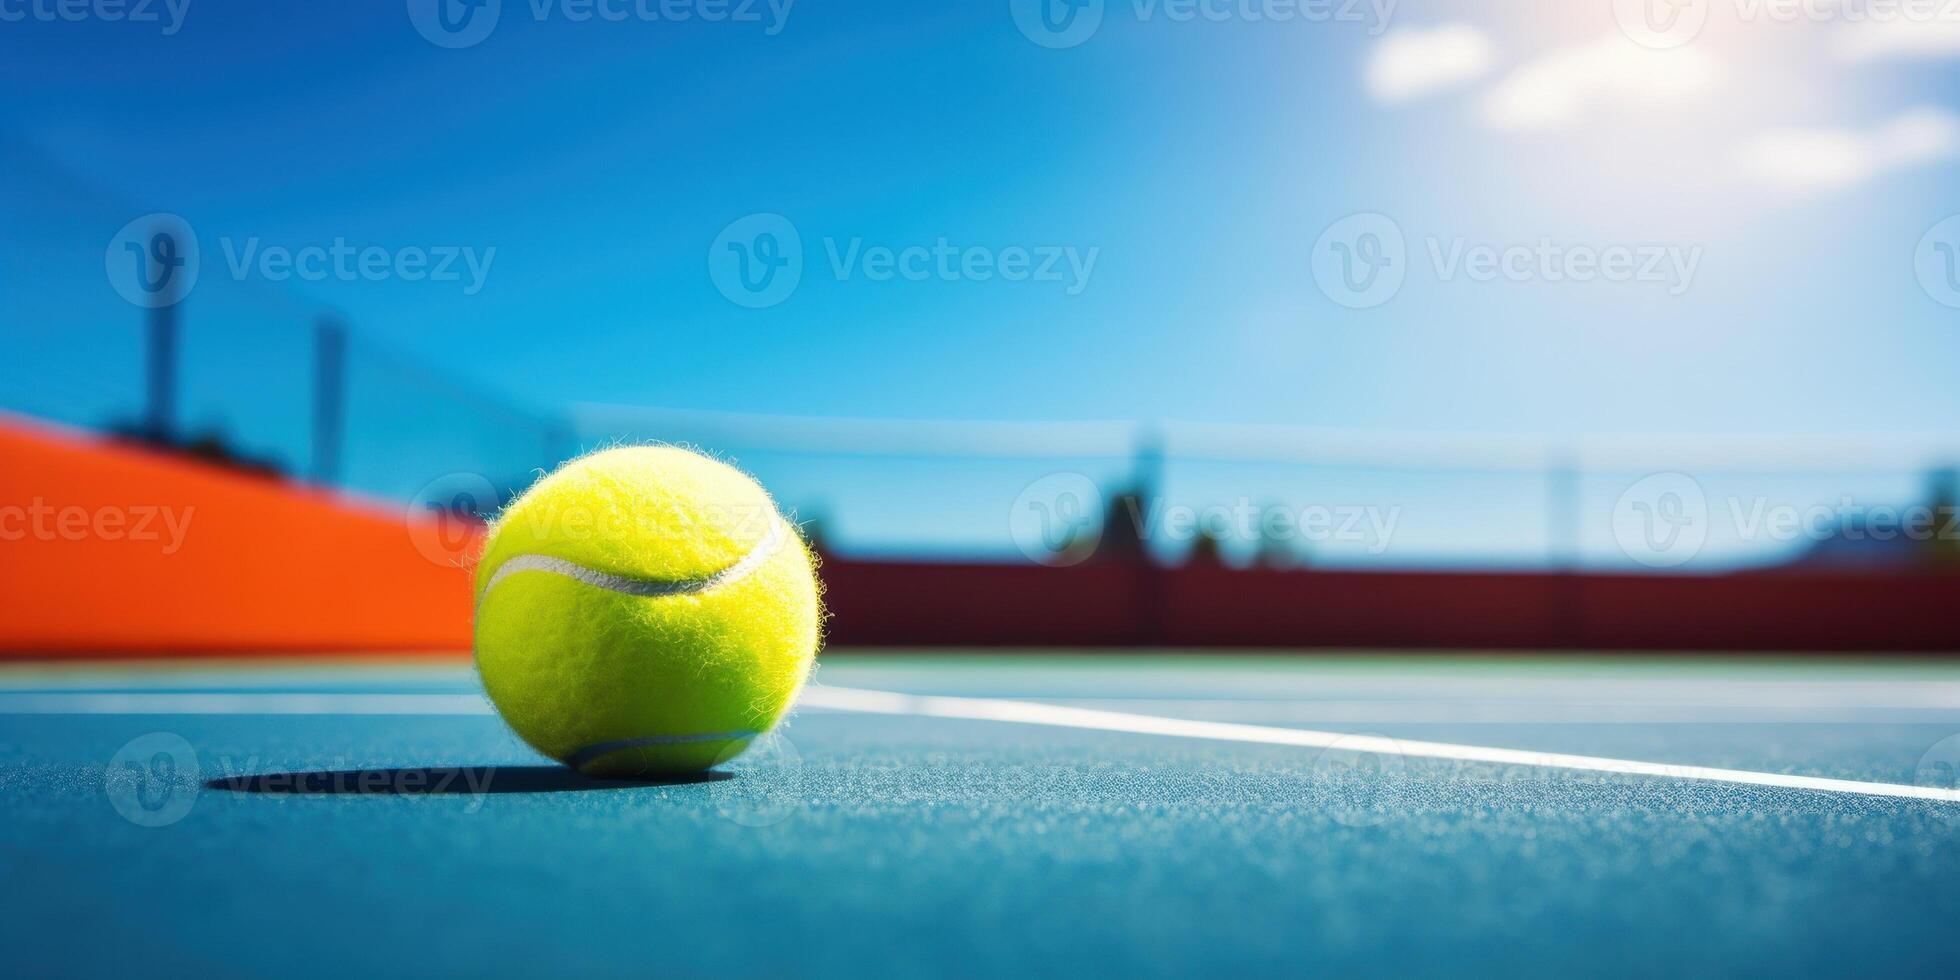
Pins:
x: 329, y: 397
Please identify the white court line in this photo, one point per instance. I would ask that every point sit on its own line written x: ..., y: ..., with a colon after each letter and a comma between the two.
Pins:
x: 178, y: 702
x: 970, y: 709
x: 1344, y: 712
x: 1029, y: 713
x: 57, y: 701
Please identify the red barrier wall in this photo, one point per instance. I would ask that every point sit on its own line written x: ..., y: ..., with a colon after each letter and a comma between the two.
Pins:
x: 109, y: 548
x: 893, y: 604
x: 118, y: 550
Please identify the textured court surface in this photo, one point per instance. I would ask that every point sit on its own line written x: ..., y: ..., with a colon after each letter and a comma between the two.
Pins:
x: 377, y: 817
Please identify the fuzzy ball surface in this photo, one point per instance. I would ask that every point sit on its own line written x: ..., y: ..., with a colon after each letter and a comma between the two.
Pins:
x: 644, y: 611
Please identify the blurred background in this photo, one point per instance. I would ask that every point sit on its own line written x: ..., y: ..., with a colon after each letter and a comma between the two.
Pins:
x: 1226, y: 322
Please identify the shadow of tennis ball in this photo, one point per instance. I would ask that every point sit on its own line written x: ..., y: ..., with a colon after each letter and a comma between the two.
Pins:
x: 153, y: 780
x: 1363, y: 778
x: 767, y: 785
x: 1939, y: 768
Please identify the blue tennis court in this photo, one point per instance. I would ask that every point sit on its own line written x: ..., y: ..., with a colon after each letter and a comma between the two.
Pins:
x: 325, y: 818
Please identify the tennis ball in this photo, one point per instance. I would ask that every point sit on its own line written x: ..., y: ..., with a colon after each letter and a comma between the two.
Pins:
x: 644, y: 611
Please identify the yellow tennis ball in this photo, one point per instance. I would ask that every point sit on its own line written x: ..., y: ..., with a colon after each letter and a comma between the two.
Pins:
x: 644, y: 611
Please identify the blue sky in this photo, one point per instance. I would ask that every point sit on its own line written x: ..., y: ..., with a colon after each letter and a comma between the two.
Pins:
x: 1201, y: 160
x: 1196, y: 161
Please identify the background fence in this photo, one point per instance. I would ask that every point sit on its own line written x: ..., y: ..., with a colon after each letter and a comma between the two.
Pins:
x: 258, y: 376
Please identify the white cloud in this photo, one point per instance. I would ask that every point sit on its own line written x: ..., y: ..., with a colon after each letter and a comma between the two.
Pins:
x: 1832, y: 158
x: 1561, y: 86
x: 1898, y: 40
x: 1411, y: 63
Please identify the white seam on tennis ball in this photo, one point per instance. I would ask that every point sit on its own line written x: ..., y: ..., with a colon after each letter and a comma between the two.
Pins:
x: 593, y: 753
x: 649, y: 588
